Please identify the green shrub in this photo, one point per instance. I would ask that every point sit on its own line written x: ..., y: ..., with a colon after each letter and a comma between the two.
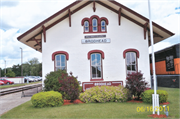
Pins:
x: 47, y: 99
x: 105, y: 94
x: 147, y: 96
x: 52, y: 82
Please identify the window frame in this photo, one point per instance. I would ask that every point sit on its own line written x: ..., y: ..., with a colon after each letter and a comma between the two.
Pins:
x: 104, y: 26
x: 59, y: 52
x: 55, y: 62
x: 86, y: 26
x: 136, y: 67
x: 96, y: 77
x: 89, y: 58
x: 94, y: 26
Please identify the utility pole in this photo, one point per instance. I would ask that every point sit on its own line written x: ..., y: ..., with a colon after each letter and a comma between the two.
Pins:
x: 5, y: 68
x: 21, y: 64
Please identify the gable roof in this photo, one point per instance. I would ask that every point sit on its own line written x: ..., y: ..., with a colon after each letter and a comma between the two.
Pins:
x: 33, y: 37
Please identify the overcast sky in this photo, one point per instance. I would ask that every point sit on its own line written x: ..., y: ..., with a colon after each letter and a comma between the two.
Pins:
x: 18, y: 16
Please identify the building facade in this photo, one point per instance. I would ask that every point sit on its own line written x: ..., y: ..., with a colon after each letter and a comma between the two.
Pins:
x: 98, y: 41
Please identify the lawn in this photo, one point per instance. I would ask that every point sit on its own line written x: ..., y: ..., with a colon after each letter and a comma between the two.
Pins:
x: 17, y: 85
x: 95, y: 110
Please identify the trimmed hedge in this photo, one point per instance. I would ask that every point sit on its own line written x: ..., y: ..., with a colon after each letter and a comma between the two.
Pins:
x: 105, y: 94
x: 47, y: 99
x: 147, y: 96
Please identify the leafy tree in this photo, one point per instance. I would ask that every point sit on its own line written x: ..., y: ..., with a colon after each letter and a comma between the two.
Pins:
x: 10, y: 74
x: 70, y: 86
x: 136, y: 83
x: 17, y: 69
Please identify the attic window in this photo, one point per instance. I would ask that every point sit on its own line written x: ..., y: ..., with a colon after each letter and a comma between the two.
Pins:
x: 94, y: 24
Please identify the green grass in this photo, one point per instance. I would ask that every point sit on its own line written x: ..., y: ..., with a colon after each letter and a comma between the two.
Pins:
x: 17, y: 85
x: 94, y: 110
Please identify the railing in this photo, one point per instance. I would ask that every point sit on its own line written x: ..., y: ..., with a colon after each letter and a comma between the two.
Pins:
x: 19, y: 89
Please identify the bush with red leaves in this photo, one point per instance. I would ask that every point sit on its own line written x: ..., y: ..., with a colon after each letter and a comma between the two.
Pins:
x: 136, y: 83
x: 69, y: 86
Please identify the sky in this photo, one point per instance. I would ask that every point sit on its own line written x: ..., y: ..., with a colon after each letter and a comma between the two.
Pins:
x: 18, y: 16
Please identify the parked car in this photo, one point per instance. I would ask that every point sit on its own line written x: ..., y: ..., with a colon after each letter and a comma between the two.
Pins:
x: 39, y: 78
x: 26, y: 79
x: 1, y: 83
x: 6, y: 81
x: 31, y: 79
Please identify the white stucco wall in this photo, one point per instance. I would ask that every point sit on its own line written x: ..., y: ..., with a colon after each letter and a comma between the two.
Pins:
x: 61, y: 37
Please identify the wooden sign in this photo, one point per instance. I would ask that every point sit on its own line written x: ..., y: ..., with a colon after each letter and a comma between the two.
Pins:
x: 95, y: 36
x: 88, y: 85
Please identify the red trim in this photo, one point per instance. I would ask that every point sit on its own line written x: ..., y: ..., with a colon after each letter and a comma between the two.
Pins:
x: 140, y: 16
x: 38, y: 42
x: 127, y: 17
x: 83, y: 20
x: 95, y: 32
x: 94, y: 7
x: 119, y: 16
x: 145, y: 29
x: 130, y: 50
x: 76, y: 2
x: 33, y: 40
x: 48, y: 19
x: 105, y: 19
x: 102, y: 57
x: 98, y: 22
x: 60, y: 52
x: 69, y: 18
x: 44, y: 33
x: 94, y: 16
x: 95, y: 51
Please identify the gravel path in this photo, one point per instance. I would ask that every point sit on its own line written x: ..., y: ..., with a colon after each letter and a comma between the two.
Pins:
x: 8, y: 102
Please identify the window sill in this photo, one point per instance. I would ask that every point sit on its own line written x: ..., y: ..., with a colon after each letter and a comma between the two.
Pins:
x: 96, y: 79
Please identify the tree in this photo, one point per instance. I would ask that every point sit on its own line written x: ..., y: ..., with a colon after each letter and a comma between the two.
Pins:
x: 136, y: 83
x: 10, y: 74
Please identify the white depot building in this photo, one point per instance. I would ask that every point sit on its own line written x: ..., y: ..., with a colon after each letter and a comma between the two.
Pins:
x: 99, y: 41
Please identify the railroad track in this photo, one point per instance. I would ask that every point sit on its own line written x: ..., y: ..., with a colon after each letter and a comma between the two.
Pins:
x: 19, y: 89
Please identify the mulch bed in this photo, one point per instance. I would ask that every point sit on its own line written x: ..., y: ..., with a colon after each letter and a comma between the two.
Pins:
x: 136, y: 100
x: 164, y: 103
x: 157, y: 116
x: 68, y: 102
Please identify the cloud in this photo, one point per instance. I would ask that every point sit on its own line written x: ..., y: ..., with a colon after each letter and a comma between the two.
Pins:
x: 9, y: 3
x: 177, y: 8
x: 21, y: 15
x: 10, y: 49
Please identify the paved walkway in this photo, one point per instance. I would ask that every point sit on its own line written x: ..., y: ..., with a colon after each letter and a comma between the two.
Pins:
x: 8, y: 102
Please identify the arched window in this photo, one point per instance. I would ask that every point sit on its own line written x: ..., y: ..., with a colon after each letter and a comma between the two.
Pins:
x: 86, y: 26
x: 94, y: 25
x: 60, y: 59
x: 96, y: 72
x: 60, y: 62
x: 131, y: 62
x: 96, y: 65
x: 103, y: 26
